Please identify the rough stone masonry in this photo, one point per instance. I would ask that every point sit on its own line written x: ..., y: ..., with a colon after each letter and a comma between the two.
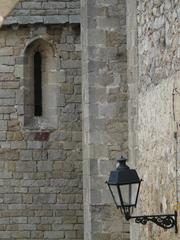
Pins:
x: 153, y: 75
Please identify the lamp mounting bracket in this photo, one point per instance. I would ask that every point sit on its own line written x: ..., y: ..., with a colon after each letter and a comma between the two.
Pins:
x: 165, y: 221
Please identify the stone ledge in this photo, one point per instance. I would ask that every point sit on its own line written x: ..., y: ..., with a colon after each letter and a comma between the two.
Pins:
x: 74, y: 19
x: 55, y: 19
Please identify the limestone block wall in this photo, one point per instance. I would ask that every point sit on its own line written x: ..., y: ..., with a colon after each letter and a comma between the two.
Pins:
x: 41, y: 167
x: 44, y: 11
x: 158, y: 76
x: 104, y: 65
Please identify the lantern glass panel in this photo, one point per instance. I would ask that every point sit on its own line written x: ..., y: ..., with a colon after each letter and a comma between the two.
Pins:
x: 126, y: 194
x: 134, y: 193
x: 115, y: 194
x: 129, y: 194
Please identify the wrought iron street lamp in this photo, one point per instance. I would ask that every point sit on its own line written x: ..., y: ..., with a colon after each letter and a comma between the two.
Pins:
x: 124, y: 184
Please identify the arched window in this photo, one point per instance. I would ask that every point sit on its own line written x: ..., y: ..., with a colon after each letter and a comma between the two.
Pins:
x: 40, y: 90
x: 37, y: 84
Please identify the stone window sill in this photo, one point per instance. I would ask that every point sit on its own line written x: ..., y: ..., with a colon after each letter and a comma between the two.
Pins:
x: 39, y: 124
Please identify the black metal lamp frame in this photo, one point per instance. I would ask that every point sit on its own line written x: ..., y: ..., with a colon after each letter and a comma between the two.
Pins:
x: 165, y: 221
x: 124, y: 175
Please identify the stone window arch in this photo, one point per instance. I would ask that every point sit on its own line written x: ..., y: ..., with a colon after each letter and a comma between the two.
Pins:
x: 40, y: 92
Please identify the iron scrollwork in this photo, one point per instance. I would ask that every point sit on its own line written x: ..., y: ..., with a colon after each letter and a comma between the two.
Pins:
x: 165, y: 221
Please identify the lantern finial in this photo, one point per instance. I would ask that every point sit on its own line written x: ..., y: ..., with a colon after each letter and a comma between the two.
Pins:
x: 122, y: 163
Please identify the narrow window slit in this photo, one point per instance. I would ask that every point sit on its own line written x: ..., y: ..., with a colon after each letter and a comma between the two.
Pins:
x: 37, y: 84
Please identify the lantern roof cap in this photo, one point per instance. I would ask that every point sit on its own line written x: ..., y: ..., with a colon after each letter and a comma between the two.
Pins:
x: 123, y: 174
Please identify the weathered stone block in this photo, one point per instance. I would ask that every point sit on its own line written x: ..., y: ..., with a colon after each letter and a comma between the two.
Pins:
x: 3, y: 125
x: 56, y: 19
x: 43, y: 136
x: 26, y: 166
x: 53, y: 5
x: 5, y: 234
x: 11, y: 166
x: 6, y: 68
x: 44, y: 166
x: 108, y: 23
x: 9, y: 154
x: 73, y: 4
x: 44, y: 198
x: 37, y: 234
x: 18, y: 145
x: 13, y: 125
x: 12, y: 198
x: 70, y: 234
x: 77, y: 136
x: 18, y: 73
x: 6, y: 51
x: 21, y: 60
x: 7, y: 60
x: 31, y: 5
x: 21, y: 234
x: 27, y: 199
x: 29, y: 19
x: 7, y: 102
x: 7, y: 93
x: 18, y: 220
x: 56, y: 155
x: 15, y: 136
x: 7, y: 110
x: 54, y: 234
x: 74, y: 19
x: 3, y: 136
x: 71, y: 64
x: 34, y: 144
x: 25, y: 155
x: 57, y: 76
x: 67, y: 88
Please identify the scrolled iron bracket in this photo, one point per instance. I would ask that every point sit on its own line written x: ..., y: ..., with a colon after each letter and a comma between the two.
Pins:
x: 165, y: 221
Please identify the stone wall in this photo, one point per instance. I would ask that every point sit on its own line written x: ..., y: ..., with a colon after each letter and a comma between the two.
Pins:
x: 158, y: 41
x: 104, y: 65
x: 40, y: 168
x: 157, y: 154
x: 155, y: 157
x: 44, y: 11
